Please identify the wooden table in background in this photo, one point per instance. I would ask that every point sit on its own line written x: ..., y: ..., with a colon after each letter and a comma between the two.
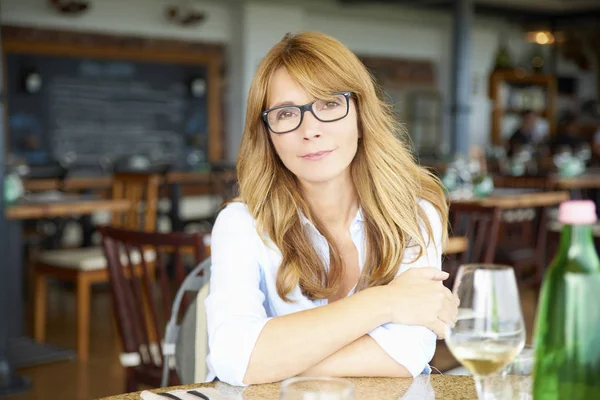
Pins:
x: 78, y: 184
x: 588, y: 180
x: 585, y: 181
x: 517, y: 198
x: 586, y: 185
x: 456, y: 245
x: 175, y: 185
x: 502, y: 200
x: 69, y: 207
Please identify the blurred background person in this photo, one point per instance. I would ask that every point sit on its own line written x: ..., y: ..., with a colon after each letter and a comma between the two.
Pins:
x: 525, y: 135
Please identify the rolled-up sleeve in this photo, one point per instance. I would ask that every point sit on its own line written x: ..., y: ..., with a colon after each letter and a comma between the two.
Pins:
x: 414, y: 346
x: 234, y: 308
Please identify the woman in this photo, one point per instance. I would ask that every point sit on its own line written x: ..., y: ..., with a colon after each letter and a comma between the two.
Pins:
x: 308, y: 267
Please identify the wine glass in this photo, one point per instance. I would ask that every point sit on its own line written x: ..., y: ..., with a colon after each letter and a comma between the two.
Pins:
x: 523, y: 363
x: 489, y: 332
x: 561, y: 156
x: 305, y: 388
x: 521, y: 370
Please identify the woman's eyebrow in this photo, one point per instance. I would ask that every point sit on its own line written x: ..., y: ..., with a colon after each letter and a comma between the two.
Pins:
x: 282, y: 103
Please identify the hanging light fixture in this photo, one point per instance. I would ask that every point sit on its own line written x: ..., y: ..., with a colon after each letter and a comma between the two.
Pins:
x: 184, y: 14
x: 540, y: 37
x: 70, y: 7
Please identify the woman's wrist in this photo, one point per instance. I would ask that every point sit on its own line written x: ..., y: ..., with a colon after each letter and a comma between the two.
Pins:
x: 378, y: 303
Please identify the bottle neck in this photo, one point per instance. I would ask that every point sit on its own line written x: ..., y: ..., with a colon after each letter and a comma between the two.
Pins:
x: 579, y: 234
x: 576, y: 240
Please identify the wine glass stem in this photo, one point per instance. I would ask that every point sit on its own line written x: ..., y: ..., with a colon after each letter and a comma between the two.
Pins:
x: 488, y: 388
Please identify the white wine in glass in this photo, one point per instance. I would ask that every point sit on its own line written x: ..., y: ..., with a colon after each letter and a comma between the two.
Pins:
x: 489, y: 332
x: 485, y: 358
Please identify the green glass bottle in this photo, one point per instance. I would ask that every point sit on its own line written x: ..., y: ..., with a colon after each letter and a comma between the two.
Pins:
x: 567, y: 330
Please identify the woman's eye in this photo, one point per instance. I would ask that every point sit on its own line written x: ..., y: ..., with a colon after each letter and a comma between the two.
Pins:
x: 285, y: 115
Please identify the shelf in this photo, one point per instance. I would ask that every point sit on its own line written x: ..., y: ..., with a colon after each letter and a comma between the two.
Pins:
x: 522, y: 77
x: 502, y: 85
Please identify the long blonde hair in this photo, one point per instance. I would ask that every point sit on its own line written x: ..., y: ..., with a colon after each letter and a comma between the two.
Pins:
x: 387, y: 180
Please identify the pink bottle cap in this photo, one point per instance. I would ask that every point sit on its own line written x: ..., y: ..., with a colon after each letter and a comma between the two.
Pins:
x: 577, y: 212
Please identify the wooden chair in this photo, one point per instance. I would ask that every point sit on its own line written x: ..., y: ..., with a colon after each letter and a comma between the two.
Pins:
x: 142, y: 308
x: 455, y: 252
x: 523, y: 234
x: 222, y: 184
x: 486, y: 228
x: 186, y: 338
x: 527, y: 246
x: 480, y: 225
x: 87, y: 266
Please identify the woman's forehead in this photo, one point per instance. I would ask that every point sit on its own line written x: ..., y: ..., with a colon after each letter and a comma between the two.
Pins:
x: 283, y: 88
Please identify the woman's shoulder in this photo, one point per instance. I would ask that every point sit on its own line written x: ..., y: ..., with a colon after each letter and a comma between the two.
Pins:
x: 235, y: 227
x: 235, y: 213
x: 429, y: 209
x: 235, y: 209
x: 433, y: 218
x: 236, y: 230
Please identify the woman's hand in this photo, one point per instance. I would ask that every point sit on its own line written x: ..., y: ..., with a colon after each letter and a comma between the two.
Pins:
x: 418, y: 297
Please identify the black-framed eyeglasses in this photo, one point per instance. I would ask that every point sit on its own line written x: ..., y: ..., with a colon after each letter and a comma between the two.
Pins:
x: 284, y: 119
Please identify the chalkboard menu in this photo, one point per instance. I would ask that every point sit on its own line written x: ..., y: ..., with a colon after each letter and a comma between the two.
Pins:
x: 84, y: 111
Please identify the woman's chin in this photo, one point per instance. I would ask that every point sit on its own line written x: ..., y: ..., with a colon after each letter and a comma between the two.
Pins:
x: 319, y: 176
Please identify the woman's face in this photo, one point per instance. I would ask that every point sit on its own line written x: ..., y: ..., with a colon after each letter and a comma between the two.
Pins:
x: 316, y: 151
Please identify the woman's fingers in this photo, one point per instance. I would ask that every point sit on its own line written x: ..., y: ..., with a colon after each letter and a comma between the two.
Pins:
x: 456, y: 300
x: 447, y: 314
x: 439, y: 328
x: 429, y: 273
x: 449, y: 308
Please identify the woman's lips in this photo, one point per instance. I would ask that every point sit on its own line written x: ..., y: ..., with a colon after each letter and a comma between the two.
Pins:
x: 317, y: 156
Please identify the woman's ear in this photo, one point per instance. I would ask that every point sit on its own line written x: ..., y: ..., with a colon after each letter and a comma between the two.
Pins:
x: 359, y: 127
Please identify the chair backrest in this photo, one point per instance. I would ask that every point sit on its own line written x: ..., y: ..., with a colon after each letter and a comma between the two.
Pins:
x: 200, y: 338
x: 185, y: 345
x: 142, y: 308
x: 141, y: 189
x: 480, y: 225
x: 187, y: 340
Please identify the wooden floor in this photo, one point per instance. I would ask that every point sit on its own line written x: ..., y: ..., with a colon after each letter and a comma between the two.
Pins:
x: 103, y: 375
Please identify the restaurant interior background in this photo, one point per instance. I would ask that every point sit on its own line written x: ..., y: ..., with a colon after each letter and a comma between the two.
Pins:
x: 91, y: 86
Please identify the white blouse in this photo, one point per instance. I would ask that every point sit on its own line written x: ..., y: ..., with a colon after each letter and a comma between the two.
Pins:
x: 243, y: 294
